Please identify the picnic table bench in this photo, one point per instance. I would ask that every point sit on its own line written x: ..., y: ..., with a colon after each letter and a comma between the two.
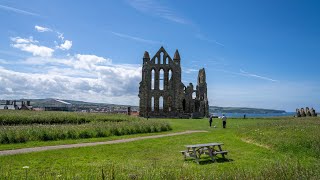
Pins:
x: 195, y: 151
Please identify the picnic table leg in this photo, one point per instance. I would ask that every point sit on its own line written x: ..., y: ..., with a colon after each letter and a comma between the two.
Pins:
x: 221, y: 150
x: 200, y: 151
x: 211, y: 153
x: 195, y: 154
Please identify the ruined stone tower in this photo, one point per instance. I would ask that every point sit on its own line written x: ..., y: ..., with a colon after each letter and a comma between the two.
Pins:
x: 161, y: 92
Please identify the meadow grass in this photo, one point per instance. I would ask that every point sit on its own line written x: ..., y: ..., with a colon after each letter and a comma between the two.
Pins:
x: 11, y: 117
x: 24, y: 133
x: 269, y: 154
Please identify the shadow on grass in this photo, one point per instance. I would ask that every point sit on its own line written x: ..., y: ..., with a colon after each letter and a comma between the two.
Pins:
x: 205, y: 161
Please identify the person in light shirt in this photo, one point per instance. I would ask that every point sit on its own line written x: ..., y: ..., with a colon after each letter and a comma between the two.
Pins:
x: 224, y: 121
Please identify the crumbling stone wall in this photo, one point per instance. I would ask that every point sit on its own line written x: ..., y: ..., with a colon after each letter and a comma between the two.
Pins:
x: 162, y: 93
x: 307, y: 112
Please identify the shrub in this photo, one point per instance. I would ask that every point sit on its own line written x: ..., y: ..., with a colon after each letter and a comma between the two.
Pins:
x: 36, y: 132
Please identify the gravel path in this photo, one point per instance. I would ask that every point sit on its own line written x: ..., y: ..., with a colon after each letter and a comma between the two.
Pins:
x: 45, y: 148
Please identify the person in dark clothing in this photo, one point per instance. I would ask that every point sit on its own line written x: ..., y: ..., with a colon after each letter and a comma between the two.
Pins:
x: 224, y: 121
x: 210, y: 120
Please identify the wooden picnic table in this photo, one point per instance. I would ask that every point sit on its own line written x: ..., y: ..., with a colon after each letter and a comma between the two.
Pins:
x: 196, y: 150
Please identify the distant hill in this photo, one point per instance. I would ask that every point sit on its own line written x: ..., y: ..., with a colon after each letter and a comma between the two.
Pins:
x: 216, y: 109
x: 89, y: 105
x: 82, y: 105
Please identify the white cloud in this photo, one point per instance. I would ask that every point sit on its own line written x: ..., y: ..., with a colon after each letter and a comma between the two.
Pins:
x: 29, y: 45
x: 35, y: 49
x: 89, y: 62
x: 42, y: 29
x: 20, y: 40
x: 86, y: 77
x: 79, y: 77
x: 65, y: 46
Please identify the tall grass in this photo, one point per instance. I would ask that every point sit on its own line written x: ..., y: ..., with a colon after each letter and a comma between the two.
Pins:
x: 11, y: 117
x: 274, y: 171
x: 290, y: 135
x: 24, y: 133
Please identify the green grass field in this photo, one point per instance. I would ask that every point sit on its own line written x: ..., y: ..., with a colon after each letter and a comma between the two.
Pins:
x: 25, y: 126
x: 9, y: 117
x: 270, y: 148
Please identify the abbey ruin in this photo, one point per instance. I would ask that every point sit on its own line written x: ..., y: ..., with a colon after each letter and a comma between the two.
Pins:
x: 162, y: 94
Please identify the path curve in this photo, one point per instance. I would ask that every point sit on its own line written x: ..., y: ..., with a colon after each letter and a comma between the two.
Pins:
x: 66, y: 146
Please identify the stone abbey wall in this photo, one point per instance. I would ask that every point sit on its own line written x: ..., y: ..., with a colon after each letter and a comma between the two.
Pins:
x: 161, y: 92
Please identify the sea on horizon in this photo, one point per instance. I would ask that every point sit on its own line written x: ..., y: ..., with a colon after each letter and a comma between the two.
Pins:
x: 254, y: 115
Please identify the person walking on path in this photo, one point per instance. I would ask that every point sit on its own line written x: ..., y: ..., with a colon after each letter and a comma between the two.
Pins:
x: 224, y: 121
x: 210, y: 120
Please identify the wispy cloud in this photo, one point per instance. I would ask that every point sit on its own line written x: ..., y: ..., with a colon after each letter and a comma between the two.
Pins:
x: 12, y: 9
x: 135, y: 38
x: 244, y: 73
x: 203, y: 38
x: 189, y: 70
x: 42, y: 29
x: 2, y: 61
x: 156, y: 9
x: 9, y: 53
x: 257, y: 76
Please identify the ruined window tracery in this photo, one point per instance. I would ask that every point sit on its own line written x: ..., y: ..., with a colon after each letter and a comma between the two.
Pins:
x: 152, y: 78
x: 170, y: 74
x: 161, y: 79
x: 161, y: 58
x: 162, y: 93
x: 152, y: 104
x: 161, y: 103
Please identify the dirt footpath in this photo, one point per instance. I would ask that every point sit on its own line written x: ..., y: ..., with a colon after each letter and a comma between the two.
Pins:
x: 45, y: 148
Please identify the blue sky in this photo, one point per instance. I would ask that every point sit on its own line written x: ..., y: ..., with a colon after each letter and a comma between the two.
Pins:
x: 256, y: 53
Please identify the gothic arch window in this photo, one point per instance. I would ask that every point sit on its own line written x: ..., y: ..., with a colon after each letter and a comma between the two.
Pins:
x: 165, y: 60
x: 156, y: 60
x: 161, y: 102
x: 153, y: 73
x: 194, y: 95
x: 152, y: 104
x: 161, y: 79
x: 170, y: 74
x: 161, y: 57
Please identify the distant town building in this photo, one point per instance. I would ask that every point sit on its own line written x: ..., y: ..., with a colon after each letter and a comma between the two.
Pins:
x: 56, y: 105
x: 16, y: 105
